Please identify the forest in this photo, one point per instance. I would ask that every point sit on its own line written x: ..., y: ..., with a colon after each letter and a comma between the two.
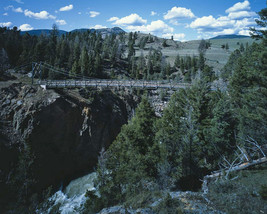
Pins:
x: 202, y: 129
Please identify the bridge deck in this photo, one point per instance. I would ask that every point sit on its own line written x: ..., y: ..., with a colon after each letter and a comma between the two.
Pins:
x: 103, y: 83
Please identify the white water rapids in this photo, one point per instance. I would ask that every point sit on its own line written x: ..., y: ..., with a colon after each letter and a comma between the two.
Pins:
x: 72, y: 198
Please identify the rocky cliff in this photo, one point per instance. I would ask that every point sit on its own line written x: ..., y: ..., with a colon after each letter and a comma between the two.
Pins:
x: 60, y: 132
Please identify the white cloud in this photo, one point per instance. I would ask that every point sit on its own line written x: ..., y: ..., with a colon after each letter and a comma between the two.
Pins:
x: 93, y: 14
x: 204, y: 22
x: 176, y: 36
x: 98, y: 27
x: 174, y: 22
x: 112, y: 19
x: 208, y: 26
x: 239, y: 6
x: 5, y: 14
x: 131, y: 20
x: 237, y: 21
x: 5, y: 24
x: 18, y: 10
x: 41, y: 15
x: 19, y: 1
x: 244, y: 32
x: 241, y: 14
x: 153, y: 13
x: 66, y: 8
x: 25, y: 27
x: 79, y: 13
x: 61, y: 22
x: 179, y: 12
x: 155, y: 27
x: 8, y: 7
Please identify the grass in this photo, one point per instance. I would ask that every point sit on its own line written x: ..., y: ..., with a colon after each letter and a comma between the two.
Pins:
x: 215, y: 55
x: 245, y: 193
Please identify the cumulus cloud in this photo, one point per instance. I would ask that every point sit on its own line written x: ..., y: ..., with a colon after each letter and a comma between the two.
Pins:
x: 241, y: 14
x: 66, y: 8
x: 153, y: 13
x: 210, y: 26
x: 5, y: 24
x: 41, y: 15
x: 25, y: 27
x: 112, y: 19
x: 179, y: 12
x: 131, y: 20
x: 209, y: 23
x: 5, y: 14
x: 93, y: 14
x: 239, y: 6
x: 176, y: 36
x: 98, y: 27
x: 61, y: 22
x: 155, y: 27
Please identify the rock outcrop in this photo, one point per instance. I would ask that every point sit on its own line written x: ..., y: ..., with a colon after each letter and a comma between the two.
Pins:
x: 63, y: 132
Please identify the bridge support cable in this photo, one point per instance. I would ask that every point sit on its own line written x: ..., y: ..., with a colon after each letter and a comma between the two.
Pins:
x: 81, y: 81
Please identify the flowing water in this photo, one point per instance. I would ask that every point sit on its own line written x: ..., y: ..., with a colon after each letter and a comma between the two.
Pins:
x: 72, y: 198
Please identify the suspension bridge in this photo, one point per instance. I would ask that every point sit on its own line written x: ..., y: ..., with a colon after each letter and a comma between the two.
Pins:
x: 79, y: 81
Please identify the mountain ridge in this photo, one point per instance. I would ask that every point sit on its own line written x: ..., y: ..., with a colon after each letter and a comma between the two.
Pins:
x: 229, y: 36
x: 38, y: 32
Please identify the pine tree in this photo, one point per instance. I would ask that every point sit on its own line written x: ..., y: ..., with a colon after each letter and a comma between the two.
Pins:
x: 98, y: 66
x: 201, y: 61
x: 132, y: 158
x: 177, y: 61
x: 84, y: 62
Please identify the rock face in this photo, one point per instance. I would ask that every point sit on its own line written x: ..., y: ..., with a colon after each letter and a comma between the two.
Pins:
x: 64, y: 133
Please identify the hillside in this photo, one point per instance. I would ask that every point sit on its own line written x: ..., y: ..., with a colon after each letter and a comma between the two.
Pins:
x: 215, y: 56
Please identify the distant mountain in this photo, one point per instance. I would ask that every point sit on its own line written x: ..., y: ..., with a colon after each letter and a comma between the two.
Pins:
x: 41, y: 31
x: 104, y: 31
x: 230, y: 36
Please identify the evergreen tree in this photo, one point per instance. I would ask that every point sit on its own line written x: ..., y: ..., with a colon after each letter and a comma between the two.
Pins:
x: 98, y: 66
x: 242, y: 48
x: 248, y: 93
x: 84, y: 62
x: 201, y: 61
x: 131, y: 159
x: 177, y: 61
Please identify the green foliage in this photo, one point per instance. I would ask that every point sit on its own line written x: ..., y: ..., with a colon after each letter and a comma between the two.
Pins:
x: 241, y: 195
x: 248, y: 93
x: 201, y: 61
x: 261, y: 33
x: 23, y: 180
x: 263, y: 192
x: 164, y: 43
x: 177, y: 61
x: 131, y: 161
x: 230, y: 65
x: 169, y: 205
x: 143, y: 199
x: 87, y: 49
x: 203, y: 46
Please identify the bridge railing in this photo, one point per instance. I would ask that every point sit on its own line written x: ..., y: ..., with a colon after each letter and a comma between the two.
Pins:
x: 106, y: 83
x: 81, y: 81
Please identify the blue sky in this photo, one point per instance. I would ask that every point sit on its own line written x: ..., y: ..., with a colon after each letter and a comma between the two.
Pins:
x: 183, y: 19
